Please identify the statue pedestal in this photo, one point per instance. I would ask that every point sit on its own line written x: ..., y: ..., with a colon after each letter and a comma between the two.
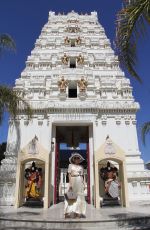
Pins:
x: 62, y: 96
x: 82, y: 96
x: 109, y: 201
x: 33, y: 203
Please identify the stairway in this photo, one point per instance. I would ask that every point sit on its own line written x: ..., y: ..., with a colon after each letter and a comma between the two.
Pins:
x: 40, y: 219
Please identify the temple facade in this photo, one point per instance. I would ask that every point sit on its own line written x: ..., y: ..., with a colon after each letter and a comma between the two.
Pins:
x: 82, y: 102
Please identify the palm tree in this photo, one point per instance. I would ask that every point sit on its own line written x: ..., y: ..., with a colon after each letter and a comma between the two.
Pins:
x: 131, y: 22
x: 6, y: 42
x: 145, y: 130
x: 130, y: 27
x: 9, y: 99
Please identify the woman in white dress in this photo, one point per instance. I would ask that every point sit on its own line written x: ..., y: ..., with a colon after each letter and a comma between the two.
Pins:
x: 76, y: 208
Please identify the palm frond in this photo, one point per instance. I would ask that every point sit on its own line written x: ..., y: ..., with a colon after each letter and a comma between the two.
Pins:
x: 7, y: 42
x: 145, y: 130
x: 130, y: 27
x: 9, y: 101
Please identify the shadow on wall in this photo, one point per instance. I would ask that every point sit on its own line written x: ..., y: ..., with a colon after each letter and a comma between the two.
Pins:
x: 23, y: 228
x: 13, y: 147
x: 2, y: 151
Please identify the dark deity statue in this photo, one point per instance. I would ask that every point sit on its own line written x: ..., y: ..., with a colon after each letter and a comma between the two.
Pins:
x: 112, y: 185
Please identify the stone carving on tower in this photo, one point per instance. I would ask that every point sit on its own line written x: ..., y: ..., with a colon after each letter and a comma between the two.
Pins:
x: 65, y: 59
x: 82, y: 83
x: 78, y: 41
x: 62, y: 84
x: 80, y: 60
x: 67, y: 40
x: 74, y: 29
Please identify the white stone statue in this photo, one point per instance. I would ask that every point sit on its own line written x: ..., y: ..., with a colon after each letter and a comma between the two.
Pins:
x: 33, y: 149
x: 109, y: 147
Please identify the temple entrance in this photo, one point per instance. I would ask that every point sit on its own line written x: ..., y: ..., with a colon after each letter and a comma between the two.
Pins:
x: 70, y: 139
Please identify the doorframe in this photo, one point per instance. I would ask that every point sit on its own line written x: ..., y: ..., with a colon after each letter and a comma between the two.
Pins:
x: 89, y: 152
x: 56, y: 172
x: 88, y: 175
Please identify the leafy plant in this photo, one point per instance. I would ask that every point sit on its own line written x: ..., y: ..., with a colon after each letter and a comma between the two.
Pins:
x: 6, y: 42
x: 10, y: 99
x: 130, y: 27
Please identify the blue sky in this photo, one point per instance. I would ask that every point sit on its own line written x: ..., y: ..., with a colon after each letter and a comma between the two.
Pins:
x: 24, y: 19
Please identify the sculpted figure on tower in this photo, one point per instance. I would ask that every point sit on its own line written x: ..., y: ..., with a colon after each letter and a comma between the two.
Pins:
x: 78, y: 41
x: 65, y: 59
x: 82, y: 84
x: 80, y: 60
x: 67, y: 41
x: 62, y: 84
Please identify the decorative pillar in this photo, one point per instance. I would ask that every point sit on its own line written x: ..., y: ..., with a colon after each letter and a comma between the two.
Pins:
x: 46, y: 190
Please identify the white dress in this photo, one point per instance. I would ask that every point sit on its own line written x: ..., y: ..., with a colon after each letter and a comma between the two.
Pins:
x: 78, y: 206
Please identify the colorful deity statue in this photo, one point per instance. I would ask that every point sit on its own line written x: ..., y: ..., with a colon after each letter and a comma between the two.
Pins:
x: 33, y: 185
x: 110, y: 177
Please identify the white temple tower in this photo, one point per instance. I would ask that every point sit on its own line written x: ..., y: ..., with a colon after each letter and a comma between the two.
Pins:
x: 79, y: 94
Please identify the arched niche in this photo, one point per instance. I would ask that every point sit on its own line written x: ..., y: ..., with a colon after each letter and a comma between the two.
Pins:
x: 28, y: 154
x: 114, y: 154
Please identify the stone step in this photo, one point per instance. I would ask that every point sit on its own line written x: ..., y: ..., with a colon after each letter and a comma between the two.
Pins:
x: 106, y: 218
x: 136, y: 223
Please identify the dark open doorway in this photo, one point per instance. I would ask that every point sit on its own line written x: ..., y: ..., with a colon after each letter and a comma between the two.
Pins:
x: 70, y: 139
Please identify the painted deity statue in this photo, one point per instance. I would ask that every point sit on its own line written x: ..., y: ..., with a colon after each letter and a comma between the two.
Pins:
x: 62, y: 84
x: 110, y: 177
x: 33, y: 186
x: 82, y: 85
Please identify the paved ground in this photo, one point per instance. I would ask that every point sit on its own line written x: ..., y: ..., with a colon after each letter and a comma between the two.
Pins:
x: 55, y: 213
x: 136, y: 217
